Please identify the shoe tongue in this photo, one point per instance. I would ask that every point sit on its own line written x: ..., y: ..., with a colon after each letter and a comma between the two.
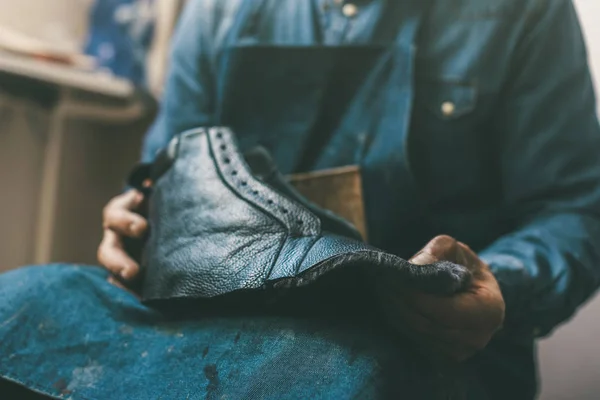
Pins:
x: 261, y: 164
x: 263, y: 168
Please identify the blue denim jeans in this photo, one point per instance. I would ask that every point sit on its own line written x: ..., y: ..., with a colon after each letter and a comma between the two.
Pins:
x: 67, y: 333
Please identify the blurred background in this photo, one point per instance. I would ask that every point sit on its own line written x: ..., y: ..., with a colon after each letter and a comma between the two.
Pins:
x: 80, y: 82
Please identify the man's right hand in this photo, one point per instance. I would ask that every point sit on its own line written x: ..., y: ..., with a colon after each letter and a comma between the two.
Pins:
x: 121, y: 221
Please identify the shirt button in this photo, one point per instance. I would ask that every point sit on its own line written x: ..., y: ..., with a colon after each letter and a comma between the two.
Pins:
x: 349, y: 10
x: 448, y: 108
x: 537, y: 332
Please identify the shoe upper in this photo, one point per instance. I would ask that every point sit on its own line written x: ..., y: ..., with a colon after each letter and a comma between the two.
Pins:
x: 222, y: 222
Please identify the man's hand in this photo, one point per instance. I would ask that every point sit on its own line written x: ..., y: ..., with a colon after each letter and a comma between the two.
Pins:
x: 120, y: 221
x: 454, y: 326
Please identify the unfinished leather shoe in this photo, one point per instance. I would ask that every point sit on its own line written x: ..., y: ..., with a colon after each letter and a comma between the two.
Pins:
x: 223, y: 224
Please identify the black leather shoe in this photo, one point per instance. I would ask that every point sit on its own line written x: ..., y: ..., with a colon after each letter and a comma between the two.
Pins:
x: 222, y: 223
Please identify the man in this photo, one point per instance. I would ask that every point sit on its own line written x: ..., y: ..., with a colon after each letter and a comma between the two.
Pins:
x: 470, y: 118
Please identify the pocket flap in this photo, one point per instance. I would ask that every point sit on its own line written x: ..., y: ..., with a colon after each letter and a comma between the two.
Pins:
x: 448, y: 99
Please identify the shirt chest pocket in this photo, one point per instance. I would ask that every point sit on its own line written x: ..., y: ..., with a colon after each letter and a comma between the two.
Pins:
x: 444, y: 103
x: 449, y: 138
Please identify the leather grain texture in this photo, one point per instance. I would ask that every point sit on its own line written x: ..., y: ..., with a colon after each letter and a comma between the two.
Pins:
x: 221, y: 223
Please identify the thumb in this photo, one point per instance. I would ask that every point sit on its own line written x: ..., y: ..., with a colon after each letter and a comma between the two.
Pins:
x: 423, y: 258
x: 440, y: 248
x: 129, y: 200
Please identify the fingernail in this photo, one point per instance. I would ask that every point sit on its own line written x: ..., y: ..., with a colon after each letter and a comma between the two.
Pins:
x: 422, y: 258
x: 133, y: 228
x: 124, y: 273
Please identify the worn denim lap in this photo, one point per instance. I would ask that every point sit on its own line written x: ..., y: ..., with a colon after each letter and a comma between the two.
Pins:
x: 68, y: 333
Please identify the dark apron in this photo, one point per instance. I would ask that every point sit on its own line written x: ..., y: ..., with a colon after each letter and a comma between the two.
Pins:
x: 318, y: 107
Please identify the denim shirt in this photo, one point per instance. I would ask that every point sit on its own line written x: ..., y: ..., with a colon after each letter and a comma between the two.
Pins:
x: 490, y: 134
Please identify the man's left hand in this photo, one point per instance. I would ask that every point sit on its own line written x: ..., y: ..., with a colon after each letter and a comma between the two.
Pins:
x: 455, y: 326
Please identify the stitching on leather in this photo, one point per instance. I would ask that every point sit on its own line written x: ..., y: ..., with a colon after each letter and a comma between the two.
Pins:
x: 232, y: 169
x: 260, y: 207
x: 222, y: 175
x: 230, y: 165
x: 234, y: 164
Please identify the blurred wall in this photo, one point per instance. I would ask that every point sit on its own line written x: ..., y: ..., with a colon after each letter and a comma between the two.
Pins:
x: 570, y: 359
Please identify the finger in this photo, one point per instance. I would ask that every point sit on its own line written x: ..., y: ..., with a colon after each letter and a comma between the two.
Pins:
x: 470, y: 259
x: 125, y: 222
x: 458, y: 311
x: 129, y: 200
x: 430, y: 337
x: 400, y: 312
x: 114, y: 258
x: 119, y: 217
x: 439, y: 248
x: 424, y: 258
x: 452, y: 341
x: 463, y: 311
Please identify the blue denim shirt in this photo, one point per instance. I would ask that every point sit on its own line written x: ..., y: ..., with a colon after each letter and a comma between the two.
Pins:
x: 489, y: 132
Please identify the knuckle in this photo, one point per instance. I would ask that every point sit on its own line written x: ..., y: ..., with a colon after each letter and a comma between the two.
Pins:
x: 465, y: 246
x: 106, y: 211
x: 100, y: 254
x: 443, y: 247
x: 112, y: 202
x: 104, y: 253
x: 118, y: 220
x: 109, y: 211
x: 445, y: 241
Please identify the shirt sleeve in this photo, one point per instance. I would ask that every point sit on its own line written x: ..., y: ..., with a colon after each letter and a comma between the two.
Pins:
x: 188, y: 96
x: 550, y: 168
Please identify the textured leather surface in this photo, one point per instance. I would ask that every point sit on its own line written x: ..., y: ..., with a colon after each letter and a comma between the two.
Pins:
x: 218, y: 226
